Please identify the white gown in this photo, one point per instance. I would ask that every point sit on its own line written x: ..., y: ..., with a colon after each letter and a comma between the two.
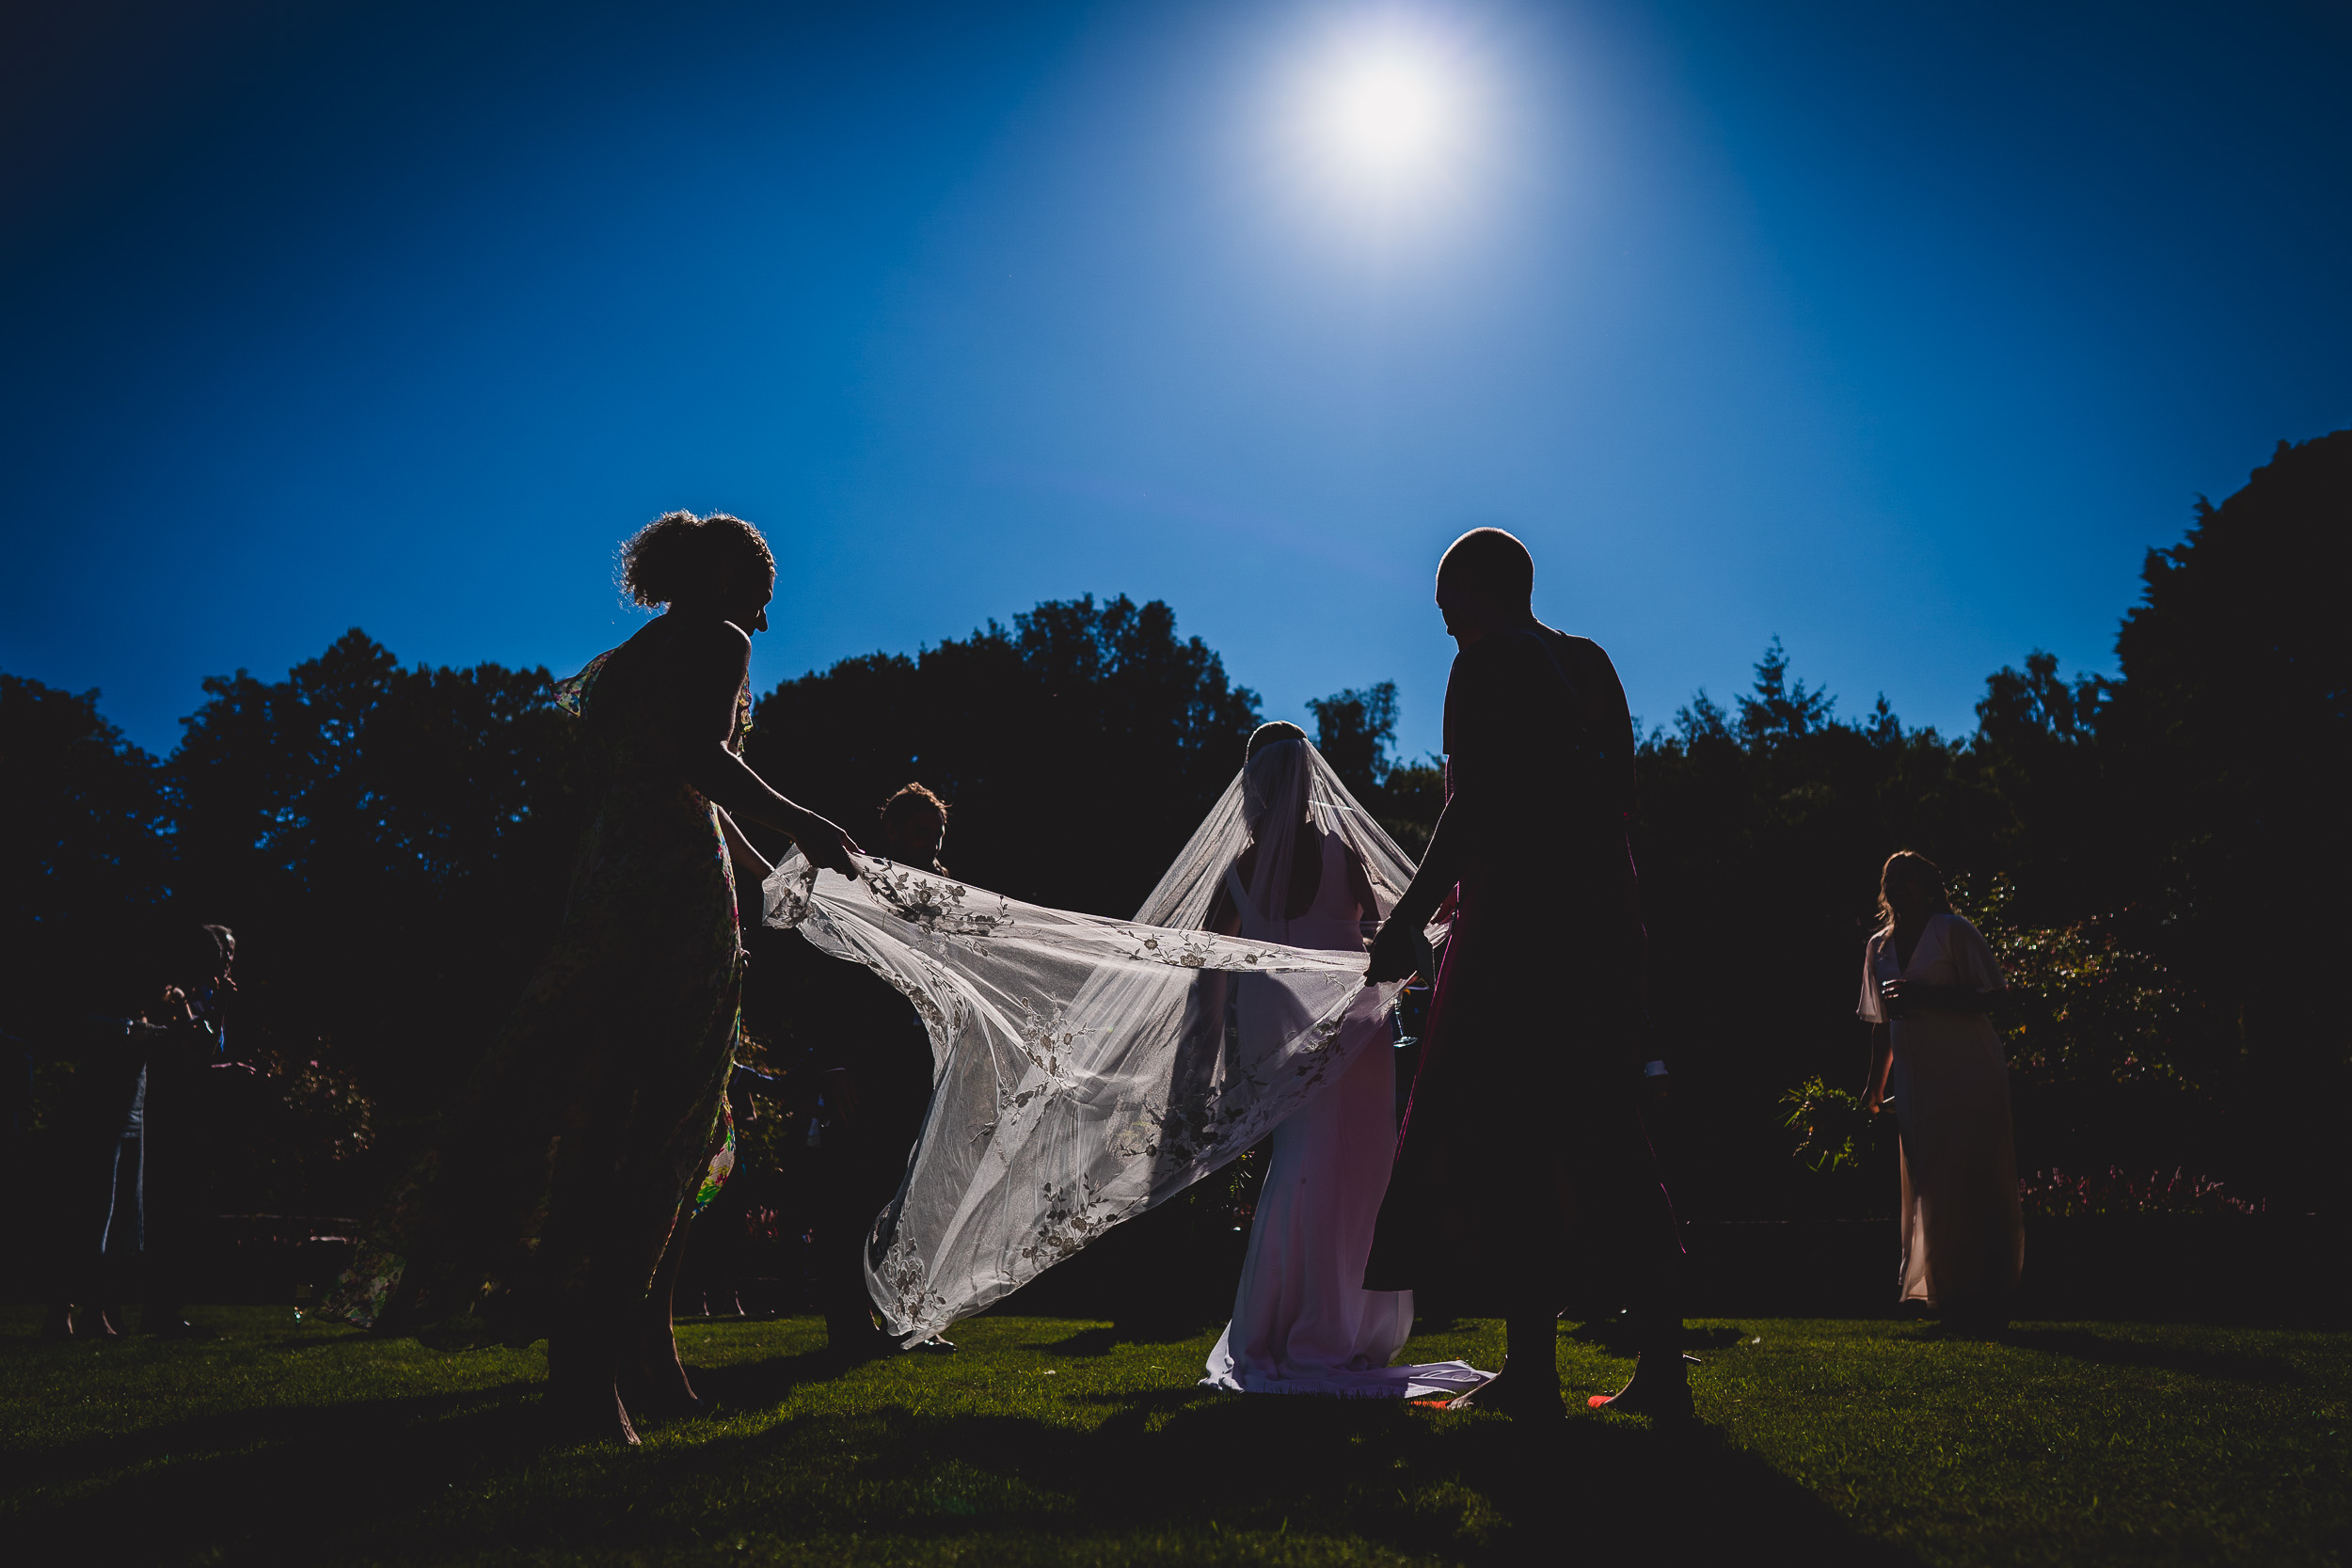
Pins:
x: 1303, y: 1324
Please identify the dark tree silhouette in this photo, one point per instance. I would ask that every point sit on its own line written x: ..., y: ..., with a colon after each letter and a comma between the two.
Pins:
x: 392, y: 845
x: 85, y: 849
x: 1079, y: 747
x: 2227, y: 738
x: 2159, y: 852
x: 1354, y: 731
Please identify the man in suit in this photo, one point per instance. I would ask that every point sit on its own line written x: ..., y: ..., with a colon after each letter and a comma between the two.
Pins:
x: 1524, y: 1160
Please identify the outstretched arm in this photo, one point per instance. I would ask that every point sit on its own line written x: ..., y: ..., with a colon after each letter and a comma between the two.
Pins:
x: 748, y: 860
x: 715, y: 666
x: 1395, y: 950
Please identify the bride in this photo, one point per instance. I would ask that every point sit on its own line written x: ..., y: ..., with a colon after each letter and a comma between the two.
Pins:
x: 1085, y: 1070
x: 1302, y: 1320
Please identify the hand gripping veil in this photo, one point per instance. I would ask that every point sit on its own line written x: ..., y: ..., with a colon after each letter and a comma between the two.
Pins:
x: 1083, y: 1070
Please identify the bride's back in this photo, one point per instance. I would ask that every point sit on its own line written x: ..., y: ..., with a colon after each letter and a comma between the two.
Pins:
x: 1322, y: 909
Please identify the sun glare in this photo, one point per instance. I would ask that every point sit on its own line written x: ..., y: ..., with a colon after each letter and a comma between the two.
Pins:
x: 1385, y: 113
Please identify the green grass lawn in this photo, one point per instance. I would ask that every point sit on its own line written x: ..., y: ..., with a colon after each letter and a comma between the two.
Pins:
x: 1046, y: 1440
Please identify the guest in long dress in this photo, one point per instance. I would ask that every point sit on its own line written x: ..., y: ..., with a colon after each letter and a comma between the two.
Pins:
x: 1928, y: 979
x: 556, y: 1202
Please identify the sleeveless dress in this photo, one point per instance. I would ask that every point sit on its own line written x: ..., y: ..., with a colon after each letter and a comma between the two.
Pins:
x: 598, y: 1116
x: 1303, y: 1323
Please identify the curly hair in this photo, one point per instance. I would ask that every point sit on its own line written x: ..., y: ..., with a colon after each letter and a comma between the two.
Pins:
x: 678, y: 555
x: 909, y: 800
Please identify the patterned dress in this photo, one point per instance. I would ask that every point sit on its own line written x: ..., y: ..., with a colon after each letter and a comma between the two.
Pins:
x: 599, y: 1117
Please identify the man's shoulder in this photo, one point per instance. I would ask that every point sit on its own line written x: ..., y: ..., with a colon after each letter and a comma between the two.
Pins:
x: 1584, y: 649
x: 1506, y: 653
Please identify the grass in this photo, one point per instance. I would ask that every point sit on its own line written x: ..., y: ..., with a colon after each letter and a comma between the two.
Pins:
x: 1049, y: 1441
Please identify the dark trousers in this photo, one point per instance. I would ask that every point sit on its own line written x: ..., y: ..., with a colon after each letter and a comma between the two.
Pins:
x: 859, y: 1168
x: 856, y: 1178
x: 1526, y: 1175
x: 1605, y: 1205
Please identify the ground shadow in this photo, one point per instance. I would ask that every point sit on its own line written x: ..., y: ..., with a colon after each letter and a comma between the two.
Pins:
x: 465, y: 1475
x: 764, y: 1383
x: 1615, y: 1337
x: 2084, y: 1345
x: 505, y: 1414
x: 1102, y: 1340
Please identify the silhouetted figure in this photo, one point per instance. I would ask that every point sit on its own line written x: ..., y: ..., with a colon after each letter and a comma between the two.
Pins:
x: 914, y: 828
x: 875, y: 1095
x: 591, y: 1128
x: 117, y: 1227
x: 1929, y: 978
x: 1524, y: 1152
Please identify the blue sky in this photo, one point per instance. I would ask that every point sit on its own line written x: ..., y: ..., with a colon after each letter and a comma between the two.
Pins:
x: 1898, y: 332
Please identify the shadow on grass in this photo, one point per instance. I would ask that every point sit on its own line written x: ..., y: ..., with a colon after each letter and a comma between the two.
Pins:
x: 2084, y: 1346
x: 1618, y: 1337
x: 505, y: 1413
x: 458, y: 1476
x: 746, y: 1385
x: 1104, y: 1339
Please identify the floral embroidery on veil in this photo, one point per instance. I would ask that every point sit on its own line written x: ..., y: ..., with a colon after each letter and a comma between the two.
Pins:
x: 1085, y: 1071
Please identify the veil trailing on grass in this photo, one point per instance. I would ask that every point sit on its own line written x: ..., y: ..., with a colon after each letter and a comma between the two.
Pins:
x: 1083, y: 1066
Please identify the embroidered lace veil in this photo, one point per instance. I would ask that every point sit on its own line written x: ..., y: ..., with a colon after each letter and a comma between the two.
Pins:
x: 1084, y: 1068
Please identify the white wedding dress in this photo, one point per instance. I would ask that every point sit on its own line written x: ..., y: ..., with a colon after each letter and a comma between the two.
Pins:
x: 1087, y: 1069
x: 1303, y: 1324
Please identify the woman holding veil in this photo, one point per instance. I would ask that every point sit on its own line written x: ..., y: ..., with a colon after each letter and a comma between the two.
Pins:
x: 1305, y: 867
x: 554, y: 1205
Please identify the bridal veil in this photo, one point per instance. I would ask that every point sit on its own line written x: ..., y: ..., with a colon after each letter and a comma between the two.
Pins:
x: 1085, y: 1069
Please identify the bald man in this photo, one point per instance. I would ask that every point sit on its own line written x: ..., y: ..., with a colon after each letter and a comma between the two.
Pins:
x: 1524, y: 1157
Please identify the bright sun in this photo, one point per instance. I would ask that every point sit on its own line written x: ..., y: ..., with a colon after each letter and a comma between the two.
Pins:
x: 1385, y: 113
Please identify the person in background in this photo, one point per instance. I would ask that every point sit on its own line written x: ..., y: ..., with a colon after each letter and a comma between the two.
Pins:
x: 103, y: 1243
x: 914, y: 828
x: 1928, y: 979
x: 875, y: 1097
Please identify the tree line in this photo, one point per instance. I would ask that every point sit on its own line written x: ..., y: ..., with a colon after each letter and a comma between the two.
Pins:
x: 2154, y: 855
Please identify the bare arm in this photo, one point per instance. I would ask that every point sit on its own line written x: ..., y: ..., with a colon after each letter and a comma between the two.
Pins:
x: 1882, y: 1059
x: 1224, y: 916
x: 1394, y: 950
x: 748, y: 860
x: 715, y: 666
x: 1359, y: 885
